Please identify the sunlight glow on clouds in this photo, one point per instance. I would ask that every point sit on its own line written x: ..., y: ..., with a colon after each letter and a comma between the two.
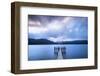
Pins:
x: 34, y: 23
x: 37, y: 30
x: 55, y: 25
x: 57, y: 39
x: 60, y: 39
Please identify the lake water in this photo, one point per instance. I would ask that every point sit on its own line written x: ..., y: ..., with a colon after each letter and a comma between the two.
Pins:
x: 46, y: 52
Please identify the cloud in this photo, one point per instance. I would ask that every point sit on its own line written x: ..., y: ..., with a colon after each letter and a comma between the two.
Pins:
x: 37, y: 30
x: 66, y: 19
x: 34, y: 23
x: 62, y: 38
x: 55, y: 25
x: 58, y: 28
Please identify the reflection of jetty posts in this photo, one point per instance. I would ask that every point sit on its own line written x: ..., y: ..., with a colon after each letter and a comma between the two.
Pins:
x: 59, y: 52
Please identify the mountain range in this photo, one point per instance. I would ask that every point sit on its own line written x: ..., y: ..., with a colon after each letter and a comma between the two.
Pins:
x: 45, y: 41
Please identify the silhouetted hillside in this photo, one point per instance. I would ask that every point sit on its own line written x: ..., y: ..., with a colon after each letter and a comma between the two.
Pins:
x: 39, y: 41
x: 76, y: 42
x: 45, y: 41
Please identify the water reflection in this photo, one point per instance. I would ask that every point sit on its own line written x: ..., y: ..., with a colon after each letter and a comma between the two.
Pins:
x: 51, y: 52
x: 60, y: 52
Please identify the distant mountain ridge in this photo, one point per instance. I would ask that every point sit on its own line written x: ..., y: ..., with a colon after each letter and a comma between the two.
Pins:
x: 45, y: 41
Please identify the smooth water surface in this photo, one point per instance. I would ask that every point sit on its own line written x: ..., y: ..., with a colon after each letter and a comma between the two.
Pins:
x: 46, y: 52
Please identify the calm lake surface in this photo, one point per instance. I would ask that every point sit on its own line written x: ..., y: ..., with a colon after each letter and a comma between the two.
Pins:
x: 46, y: 52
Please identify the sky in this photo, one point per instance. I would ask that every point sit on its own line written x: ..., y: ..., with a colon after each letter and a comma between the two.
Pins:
x: 57, y: 28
